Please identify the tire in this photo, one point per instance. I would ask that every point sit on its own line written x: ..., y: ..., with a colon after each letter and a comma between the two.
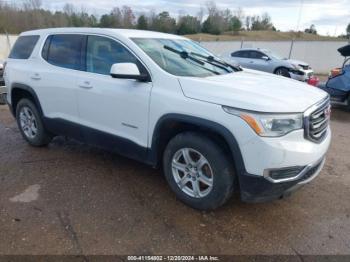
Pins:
x: 218, y: 171
x: 28, y: 121
x: 282, y: 71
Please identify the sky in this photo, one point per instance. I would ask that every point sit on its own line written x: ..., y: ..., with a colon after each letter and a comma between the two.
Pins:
x: 329, y: 16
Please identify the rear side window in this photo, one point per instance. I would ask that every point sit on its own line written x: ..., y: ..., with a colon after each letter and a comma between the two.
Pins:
x: 243, y: 54
x: 64, y: 51
x: 237, y: 54
x: 23, y: 47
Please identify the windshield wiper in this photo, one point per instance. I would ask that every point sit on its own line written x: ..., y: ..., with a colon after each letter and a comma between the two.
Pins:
x: 186, y: 55
x: 221, y: 64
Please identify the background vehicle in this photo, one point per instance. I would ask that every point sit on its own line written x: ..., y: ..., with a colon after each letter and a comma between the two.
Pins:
x: 164, y: 100
x: 338, y: 84
x: 267, y: 61
x: 2, y: 84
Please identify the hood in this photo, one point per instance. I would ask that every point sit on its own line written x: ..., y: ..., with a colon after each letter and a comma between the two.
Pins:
x: 297, y: 62
x: 253, y: 90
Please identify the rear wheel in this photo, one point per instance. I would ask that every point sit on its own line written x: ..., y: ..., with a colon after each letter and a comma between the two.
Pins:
x: 30, y: 124
x: 198, y: 171
x: 282, y: 72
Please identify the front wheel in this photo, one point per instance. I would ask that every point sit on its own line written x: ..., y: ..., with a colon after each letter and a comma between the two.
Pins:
x: 282, y: 72
x: 198, y: 171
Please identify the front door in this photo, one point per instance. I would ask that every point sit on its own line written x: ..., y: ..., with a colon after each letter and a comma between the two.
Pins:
x: 116, y: 109
x: 257, y: 62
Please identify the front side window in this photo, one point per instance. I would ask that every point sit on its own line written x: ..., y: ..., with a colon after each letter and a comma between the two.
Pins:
x: 23, y: 47
x: 256, y: 55
x: 182, y: 57
x: 102, y: 53
x: 64, y: 51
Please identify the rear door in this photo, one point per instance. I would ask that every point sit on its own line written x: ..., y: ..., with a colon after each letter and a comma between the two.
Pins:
x: 112, y: 108
x: 55, y: 78
x: 241, y: 57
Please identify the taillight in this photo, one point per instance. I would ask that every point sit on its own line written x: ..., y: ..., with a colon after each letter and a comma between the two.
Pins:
x: 314, y: 81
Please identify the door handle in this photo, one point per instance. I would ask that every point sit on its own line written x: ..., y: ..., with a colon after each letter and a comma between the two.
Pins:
x: 36, y: 76
x: 85, y: 85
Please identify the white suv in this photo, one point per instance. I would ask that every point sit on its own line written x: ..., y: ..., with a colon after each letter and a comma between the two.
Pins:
x: 164, y: 100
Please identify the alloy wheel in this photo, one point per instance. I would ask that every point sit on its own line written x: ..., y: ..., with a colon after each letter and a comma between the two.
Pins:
x: 192, y: 172
x: 28, y: 122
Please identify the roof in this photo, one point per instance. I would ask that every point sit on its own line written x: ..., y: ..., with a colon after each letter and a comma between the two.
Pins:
x: 253, y: 49
x: 128, y: 33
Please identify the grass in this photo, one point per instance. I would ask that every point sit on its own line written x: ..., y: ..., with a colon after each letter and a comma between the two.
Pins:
x: 262, y: 36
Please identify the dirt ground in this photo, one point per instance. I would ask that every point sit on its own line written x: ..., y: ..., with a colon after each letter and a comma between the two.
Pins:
x: 69, y: 198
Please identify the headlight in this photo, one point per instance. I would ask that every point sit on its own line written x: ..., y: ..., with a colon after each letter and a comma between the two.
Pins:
x: 271, y: 125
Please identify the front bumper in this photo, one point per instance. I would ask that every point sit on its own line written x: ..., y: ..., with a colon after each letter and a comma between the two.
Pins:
x: 256, y: 189
x: 263, y: 154
x: 301, y: 75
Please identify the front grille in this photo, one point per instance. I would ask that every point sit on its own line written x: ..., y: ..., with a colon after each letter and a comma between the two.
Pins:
x: 316, y: 121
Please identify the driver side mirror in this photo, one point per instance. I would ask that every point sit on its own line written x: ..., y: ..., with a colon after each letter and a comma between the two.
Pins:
x: 265, y: 57
x: 128, y: 71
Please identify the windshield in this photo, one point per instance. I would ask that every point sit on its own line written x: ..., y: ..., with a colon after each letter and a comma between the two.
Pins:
x: 182, y: 57
x: 273, y: 55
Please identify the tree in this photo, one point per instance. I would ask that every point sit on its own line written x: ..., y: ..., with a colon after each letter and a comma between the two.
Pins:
x: 188, y: 25
x: 106, y: 21
x: 235, y: 24
x: 311, y: 30
x: 348, y: 30
x: 214, y: 24
x: 266, y: 23
x: 164, y: 23
x: 142, y: 23
x: 127, y: 17
x: 32, y: 4
x: 261, y: 23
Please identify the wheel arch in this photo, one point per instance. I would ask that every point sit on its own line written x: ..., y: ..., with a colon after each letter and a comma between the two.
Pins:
x: 170, y: 125
x: 280, y: 67
x: 19, y: 91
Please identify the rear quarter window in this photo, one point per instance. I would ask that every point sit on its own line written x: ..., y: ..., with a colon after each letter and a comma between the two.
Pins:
x: 23, y: 47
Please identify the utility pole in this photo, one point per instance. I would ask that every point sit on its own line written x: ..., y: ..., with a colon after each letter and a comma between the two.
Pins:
x: 8, y: 43
x: 291, y: 48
